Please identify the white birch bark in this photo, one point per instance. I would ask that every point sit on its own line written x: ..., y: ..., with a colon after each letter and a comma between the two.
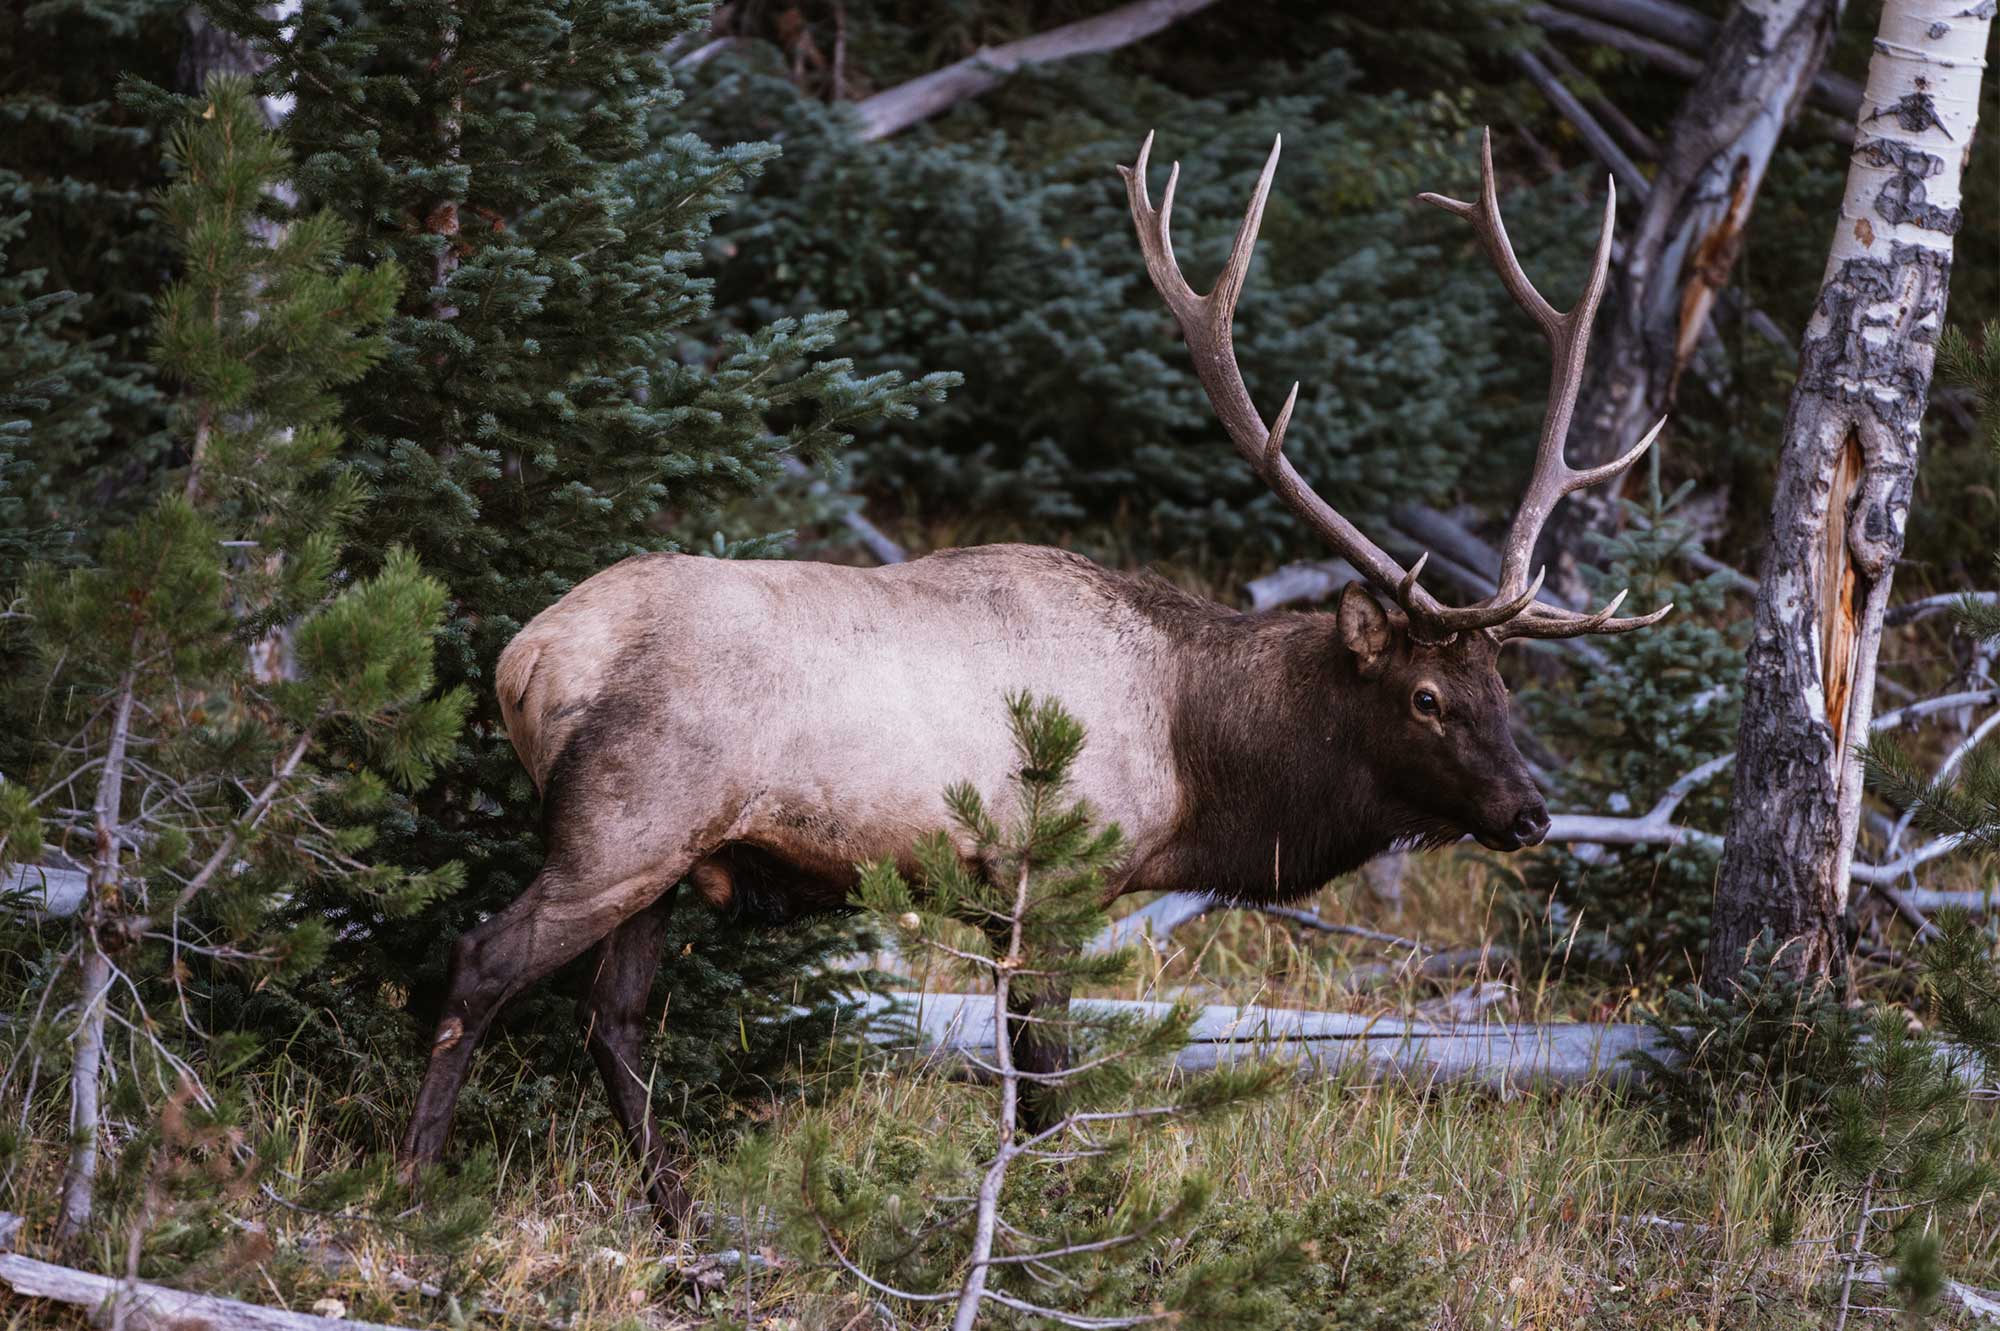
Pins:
x: 1758, y: 69
x: 1845, y: 476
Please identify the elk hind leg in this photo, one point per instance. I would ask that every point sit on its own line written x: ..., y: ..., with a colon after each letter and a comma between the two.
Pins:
x: 614, y: 1019
x: 563, y: 912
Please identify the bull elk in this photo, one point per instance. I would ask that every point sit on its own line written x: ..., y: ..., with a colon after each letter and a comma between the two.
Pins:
x: 751, y: 731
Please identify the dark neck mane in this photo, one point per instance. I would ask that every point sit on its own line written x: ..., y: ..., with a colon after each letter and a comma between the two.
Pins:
x: 1278, y: 793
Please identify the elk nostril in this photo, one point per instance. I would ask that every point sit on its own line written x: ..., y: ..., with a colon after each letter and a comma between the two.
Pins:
x: 1532, y: 824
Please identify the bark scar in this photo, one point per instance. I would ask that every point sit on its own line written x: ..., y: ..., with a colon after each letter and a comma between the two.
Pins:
x: 449, y: 1033
x: 1839, y: 593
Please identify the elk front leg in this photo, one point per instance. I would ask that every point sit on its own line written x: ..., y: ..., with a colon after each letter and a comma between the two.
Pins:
x: 1039, y: 1048
x: 614, y: 1020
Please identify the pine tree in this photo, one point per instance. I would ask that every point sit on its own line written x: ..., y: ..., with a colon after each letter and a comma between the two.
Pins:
x: 37, y: 370
x: 1884, y: 1106
x: 1003, y: 246
x: 77, y: 174
x: 205, y: 780
x: 1018, y: 924
x: 554, y: 399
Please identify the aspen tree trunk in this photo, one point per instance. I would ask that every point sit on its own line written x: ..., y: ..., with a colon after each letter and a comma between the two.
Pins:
x: 1758, y: 71
x: 1845, y: 475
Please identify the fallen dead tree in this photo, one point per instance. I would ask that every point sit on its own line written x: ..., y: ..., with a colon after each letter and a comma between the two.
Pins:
x: 139, y: 1306
x: 1497, y: 1056
x: 1669, y: 37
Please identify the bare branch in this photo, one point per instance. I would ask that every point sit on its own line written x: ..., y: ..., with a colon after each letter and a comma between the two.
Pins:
x: 906, y: 104
x: 148, y: 1307
x: 871, y: 536
x: 1663, y: 35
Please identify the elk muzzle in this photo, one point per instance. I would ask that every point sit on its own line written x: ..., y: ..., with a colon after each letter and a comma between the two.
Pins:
x: 1528, y: 826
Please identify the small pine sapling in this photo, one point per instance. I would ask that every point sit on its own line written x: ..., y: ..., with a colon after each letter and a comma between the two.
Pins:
x: 221, y: 707
x: 1010, y: 907
x: 1883, y: 1107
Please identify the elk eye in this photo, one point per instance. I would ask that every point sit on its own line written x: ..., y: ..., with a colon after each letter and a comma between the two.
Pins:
x: 1426, y: 702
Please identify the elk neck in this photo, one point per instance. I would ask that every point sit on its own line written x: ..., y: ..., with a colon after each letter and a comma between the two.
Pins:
x: 1274, y: 742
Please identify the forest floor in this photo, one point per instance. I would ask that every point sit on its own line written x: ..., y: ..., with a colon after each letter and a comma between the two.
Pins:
x: 1550, y: 1209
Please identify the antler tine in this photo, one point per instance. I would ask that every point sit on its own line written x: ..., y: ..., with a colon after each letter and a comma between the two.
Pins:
x: 1492, y: 231
x: 1490, y: 612
x: 1205, y: 323
x: 1543, y: 622
x: 1569, y: 337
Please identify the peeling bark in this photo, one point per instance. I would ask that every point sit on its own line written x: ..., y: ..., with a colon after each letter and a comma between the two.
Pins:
x: 1845, y: 476
x: 1690, y: 232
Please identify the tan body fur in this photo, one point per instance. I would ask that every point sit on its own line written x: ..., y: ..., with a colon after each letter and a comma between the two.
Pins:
x: 818, y: 712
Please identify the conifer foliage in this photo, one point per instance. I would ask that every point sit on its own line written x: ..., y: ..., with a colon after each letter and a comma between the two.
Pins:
x: 551, y: 402
x: 78, y: 173
x: 1020, y: 923
x: 222, y: 707
x: 1010, y: 256
x: 1880, y: 1102
x: 1639, y: 913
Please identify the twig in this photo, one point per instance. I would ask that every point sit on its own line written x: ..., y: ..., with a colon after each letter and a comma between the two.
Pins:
x: 1911, y: 611
x: 1306, y: 919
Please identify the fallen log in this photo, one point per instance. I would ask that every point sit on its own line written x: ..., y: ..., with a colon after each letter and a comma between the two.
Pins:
x: 147, y: 1307
x: 55, y: 886
x: 1497, y: 1056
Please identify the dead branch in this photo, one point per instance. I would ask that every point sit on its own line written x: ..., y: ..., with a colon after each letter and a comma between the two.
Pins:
x: 1664, y: 35
x: 1911, y: 611
x: 906, y: 104
x: 706, y: 52
x: 1635, y: 140
x: 1602, y: 145
x: 1431, y: 966
x: 147, y: 1307
x: 1156, y: 921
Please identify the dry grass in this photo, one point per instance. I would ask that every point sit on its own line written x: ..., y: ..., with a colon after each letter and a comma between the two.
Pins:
x: 1550, y: 1210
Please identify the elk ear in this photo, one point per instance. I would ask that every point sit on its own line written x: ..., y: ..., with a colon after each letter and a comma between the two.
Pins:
x: 1364, y: 627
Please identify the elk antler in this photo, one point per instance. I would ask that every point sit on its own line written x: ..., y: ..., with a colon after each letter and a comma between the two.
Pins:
x: 1553, y: 477
x: 1206, y: 324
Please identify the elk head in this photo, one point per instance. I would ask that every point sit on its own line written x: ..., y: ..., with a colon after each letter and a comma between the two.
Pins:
x: 1439, y: 741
